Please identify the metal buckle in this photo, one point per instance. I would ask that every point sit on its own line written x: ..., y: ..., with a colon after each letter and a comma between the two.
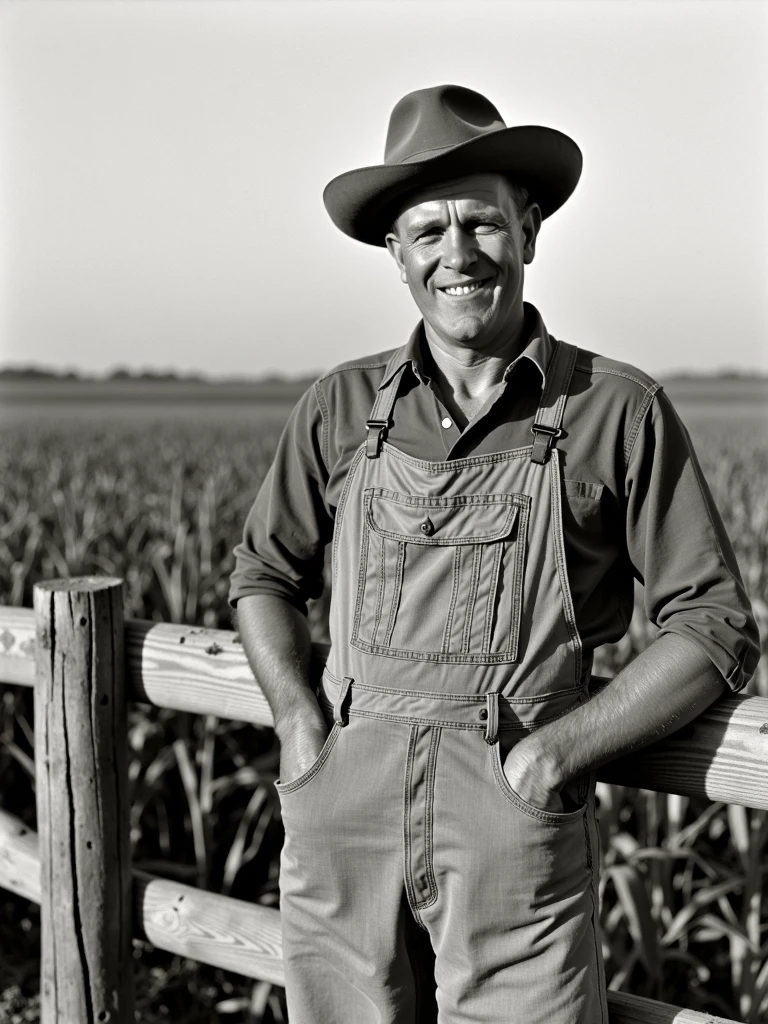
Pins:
x: 543, y: 439
x: 376, y: 440
x: 542, y: 428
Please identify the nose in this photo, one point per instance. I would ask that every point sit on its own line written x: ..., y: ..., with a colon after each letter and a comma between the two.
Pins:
x: 458, y: 248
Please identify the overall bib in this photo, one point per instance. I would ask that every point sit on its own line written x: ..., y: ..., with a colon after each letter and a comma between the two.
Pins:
x: 416, y: 884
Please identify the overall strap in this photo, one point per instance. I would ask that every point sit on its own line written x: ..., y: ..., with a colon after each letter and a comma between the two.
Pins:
x: 547, y: 426
x: 380, y: 420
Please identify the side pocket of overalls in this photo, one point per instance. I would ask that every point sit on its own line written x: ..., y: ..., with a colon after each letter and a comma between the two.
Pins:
x: 286, y: 788
x: 574, y: 795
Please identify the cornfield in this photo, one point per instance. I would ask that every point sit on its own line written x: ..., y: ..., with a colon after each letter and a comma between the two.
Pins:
x: 161, y: 504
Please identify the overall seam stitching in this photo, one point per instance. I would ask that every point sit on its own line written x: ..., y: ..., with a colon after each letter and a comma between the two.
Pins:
x: 341, y: 508
x: 455, y: 464
x: 474, y: 583
x: 433, y: 656
x: 382, y: 580
x: 556, y: 524
x: 493, y: 594
x: 518, y: 581
x: 429, y: 819
x: 447, y: 724
x: 302, y: 780
x: 362, y: 573
x: 396, y: 594
x: 446, y: 645
x: 474, y: 698
x: 407, y: 847
x: 594, y: 897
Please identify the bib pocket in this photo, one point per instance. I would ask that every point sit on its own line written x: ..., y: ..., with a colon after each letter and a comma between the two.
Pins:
x: 441, y: 578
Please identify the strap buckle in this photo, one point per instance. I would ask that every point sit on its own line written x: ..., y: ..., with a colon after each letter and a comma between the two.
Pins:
x: 542, y: 428
x: 544, y: 437
x: 377, y: 433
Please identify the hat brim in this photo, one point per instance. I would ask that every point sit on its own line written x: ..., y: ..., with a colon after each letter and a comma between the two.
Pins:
x: 363, y: 203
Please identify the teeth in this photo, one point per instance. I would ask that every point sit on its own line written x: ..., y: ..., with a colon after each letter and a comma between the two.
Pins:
x: 464, y: 289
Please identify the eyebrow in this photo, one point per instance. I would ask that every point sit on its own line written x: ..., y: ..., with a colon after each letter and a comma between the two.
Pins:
x: 417, y: 226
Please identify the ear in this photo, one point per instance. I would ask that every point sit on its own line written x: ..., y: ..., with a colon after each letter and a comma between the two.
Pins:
x: 395, y: 247
x: 530, y: 224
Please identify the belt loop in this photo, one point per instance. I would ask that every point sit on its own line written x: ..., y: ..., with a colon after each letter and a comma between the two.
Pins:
x: 492, y: 722
x: 338, y: 715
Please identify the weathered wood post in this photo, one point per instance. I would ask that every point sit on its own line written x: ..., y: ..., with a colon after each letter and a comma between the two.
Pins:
x: 82, y: 803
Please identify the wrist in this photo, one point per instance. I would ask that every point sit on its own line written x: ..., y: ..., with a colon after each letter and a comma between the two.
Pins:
x: 302, y: 715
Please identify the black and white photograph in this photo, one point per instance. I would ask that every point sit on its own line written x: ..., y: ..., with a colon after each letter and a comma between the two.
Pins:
x: 383, y: 512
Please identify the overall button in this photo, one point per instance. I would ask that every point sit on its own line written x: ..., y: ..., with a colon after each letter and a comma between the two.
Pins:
x: 427, y: 528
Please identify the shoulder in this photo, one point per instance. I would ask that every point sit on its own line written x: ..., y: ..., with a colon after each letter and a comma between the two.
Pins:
x: 360, y: 367
x: 622, y: 379
x: 356, y: 380
x: 611, y: 397
x: 614, y: 385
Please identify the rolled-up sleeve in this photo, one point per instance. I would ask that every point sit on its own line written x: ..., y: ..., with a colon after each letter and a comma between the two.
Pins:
x: 289, y: 524
x: 679, y: 548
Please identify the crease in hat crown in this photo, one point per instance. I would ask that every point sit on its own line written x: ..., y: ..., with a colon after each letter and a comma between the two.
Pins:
x: 441, y: 133
x: 431, y: 121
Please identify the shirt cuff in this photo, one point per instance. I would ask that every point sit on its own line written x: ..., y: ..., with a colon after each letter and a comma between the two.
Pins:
x: 736, y: 665
x: 275, y: 589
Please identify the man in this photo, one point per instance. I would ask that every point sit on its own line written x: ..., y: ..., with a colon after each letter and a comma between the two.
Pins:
x: 490, y: 493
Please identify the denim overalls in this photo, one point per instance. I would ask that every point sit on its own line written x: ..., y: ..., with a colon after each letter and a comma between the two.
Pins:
x: 409, y: 860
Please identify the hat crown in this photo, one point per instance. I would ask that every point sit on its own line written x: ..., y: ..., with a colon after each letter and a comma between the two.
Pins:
x: 430, y: 120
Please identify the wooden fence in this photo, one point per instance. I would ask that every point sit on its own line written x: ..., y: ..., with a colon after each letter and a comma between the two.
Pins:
x: 85, y: 664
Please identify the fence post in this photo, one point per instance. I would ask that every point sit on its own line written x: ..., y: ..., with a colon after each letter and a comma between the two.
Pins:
x: 86, y: 972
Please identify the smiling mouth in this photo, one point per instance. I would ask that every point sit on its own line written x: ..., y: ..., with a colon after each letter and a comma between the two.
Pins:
x: 461, y: 290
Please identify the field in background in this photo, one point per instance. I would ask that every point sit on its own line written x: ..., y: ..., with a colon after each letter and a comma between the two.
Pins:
x: 156, y: 491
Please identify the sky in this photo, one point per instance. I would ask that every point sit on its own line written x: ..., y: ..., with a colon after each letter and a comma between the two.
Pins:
x: 162, y: 166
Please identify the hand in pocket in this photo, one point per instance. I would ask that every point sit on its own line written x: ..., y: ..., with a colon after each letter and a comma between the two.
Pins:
x: 300, y: 744
x: 528, y: 776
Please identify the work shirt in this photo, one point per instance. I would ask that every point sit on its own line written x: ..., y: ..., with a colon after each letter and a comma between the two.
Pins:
x: 635, y: 501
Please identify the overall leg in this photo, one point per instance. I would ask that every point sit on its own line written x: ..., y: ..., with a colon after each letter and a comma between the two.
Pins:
x: 348, y: 935
x: 513, y: 924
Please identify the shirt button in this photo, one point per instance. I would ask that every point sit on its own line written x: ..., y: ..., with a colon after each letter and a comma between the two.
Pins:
x: 446, y: 423
x: 483, y: 714
x: 427, y: 528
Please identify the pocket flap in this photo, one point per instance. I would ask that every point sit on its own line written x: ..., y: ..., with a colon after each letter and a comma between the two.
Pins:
x: 461, y: 519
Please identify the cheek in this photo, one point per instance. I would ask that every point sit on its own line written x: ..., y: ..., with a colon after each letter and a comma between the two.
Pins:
x: 418, y: 270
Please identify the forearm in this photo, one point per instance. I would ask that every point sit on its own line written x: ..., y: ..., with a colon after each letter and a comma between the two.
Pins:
x: 663, y: 689
x: 278, y: 646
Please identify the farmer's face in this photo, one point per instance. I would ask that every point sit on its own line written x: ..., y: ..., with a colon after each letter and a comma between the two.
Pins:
x: 461, y: 247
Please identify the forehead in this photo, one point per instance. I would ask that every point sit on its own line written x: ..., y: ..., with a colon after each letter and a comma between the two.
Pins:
x: 474, y: 190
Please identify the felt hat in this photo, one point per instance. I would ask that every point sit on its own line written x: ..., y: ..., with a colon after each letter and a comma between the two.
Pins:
x: 446, y: 132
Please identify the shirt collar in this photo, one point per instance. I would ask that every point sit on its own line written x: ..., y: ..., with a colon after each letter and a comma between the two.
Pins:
x: 538, y: 350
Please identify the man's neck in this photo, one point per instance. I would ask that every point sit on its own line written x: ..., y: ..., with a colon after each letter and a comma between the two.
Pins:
x: 467, y: 378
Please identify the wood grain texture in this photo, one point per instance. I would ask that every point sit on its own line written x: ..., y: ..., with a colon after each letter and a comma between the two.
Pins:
x: 214, y: 929
x: 17, y: 646
x: 244, y: 937
x: 81, y: 752
x: 19, y: 858
x: 723, y: 755
x: 627, y: 1009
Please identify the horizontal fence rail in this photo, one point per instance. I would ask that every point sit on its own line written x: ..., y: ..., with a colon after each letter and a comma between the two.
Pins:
x: 239, y: 936
x: 84, y: 663
x: 722, y: 756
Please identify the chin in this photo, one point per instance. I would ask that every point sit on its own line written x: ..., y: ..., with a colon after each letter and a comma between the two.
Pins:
x: 466, y: 331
